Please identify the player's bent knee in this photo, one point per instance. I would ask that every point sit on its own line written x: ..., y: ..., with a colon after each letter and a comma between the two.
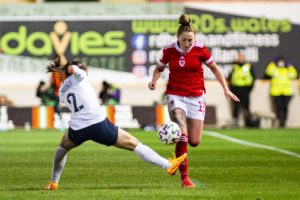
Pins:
x: 67, y: 143
x: 132, y: 143
x: 129, y: 144
x: 194, y: 143
x: 126, y: 140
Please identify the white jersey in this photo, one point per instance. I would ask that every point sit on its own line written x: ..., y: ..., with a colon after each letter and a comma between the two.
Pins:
x: 81, y: 99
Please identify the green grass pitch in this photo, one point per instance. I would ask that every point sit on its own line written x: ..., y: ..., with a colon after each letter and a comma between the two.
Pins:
x: 221, y: 169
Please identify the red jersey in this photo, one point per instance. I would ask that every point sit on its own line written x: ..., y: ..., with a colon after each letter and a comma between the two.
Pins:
x: 186, y: 71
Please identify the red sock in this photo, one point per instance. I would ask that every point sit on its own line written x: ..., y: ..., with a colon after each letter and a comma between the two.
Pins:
x: 181, y: 148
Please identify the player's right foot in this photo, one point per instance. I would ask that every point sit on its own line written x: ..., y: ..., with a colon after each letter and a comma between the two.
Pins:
x: 187, y: 183
x: 175, y: 163
x: 51, y: 186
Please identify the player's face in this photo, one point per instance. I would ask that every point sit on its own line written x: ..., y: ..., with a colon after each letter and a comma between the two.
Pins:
x: 186, y: 40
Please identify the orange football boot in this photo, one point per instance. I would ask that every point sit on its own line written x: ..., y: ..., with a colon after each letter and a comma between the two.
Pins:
x: 51, y: 186
x: 175, y: 163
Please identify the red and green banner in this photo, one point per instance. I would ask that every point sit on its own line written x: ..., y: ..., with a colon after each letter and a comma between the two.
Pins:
x: 162, y: 115
x: 43, y: 117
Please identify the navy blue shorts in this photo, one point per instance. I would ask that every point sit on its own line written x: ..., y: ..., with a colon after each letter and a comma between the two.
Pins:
x: 103, y: 132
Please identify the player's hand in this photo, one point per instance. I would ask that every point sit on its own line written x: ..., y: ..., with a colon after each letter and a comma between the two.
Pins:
x: 71, y: 69
x: 152, y: 85
x: 232, y: 96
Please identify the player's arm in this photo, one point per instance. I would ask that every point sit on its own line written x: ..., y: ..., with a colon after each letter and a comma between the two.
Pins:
x: 156, y: 74
x: 220, y: 77
x: 79, y: 73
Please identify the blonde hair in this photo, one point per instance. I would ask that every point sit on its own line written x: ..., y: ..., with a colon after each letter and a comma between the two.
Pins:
x: 55, y: 66
x: 185, y: 26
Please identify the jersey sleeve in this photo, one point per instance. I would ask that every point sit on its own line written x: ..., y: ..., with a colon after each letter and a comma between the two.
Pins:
x: 164, y: 59
x: 79, y: 73
x: 206, y: 56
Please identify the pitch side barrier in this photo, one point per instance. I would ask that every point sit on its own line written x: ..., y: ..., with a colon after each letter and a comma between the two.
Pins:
x: 124, y: 116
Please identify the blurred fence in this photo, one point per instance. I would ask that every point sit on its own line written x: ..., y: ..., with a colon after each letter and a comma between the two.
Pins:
x: 124, y: 116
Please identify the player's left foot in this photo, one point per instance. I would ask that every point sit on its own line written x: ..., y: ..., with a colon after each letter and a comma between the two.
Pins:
x: 187, y: 183
x: 51, y: 186
x: 175, y: 163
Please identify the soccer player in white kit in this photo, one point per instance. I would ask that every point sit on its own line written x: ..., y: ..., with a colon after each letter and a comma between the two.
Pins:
x: 89, y: 122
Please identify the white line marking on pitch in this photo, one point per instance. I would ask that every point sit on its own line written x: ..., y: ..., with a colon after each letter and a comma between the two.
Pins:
x: 231, y: 139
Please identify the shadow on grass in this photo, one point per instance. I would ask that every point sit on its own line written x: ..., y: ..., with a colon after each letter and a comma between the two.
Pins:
x: 113, y: 187
x: 22, y: 189
x: 66, y: 188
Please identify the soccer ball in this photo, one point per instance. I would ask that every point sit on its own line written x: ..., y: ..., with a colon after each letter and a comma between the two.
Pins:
x: 169, y: 133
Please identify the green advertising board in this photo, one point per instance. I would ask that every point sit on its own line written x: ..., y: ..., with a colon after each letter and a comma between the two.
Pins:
x: 134, y: 44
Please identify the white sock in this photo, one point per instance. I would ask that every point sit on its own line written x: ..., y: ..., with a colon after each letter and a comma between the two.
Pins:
x: 59, y: 162
x: 150, y: 156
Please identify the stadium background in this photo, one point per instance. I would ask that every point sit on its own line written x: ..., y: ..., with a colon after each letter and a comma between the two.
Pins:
x: 131, y: 36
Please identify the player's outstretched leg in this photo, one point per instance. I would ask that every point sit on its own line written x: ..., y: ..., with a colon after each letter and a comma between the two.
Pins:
x: 180, y: 149
x: 150, y: 156
x: 127, y: 141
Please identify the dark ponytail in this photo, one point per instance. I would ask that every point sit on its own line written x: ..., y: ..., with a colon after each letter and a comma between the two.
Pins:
x: 55, y: 66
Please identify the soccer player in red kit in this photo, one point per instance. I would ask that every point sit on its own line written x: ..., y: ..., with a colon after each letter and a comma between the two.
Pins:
x: 185, y: 89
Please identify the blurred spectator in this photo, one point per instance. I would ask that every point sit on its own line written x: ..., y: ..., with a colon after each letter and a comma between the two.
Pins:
x: 281, y: 72
x: 241, y: 80
x: 55, y: 82
x: 40, y: 92
x: 109, y: 94
x: 103, y: 93
x: 114, y: 95
x: 4, y: 101
x: 46, y: 94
